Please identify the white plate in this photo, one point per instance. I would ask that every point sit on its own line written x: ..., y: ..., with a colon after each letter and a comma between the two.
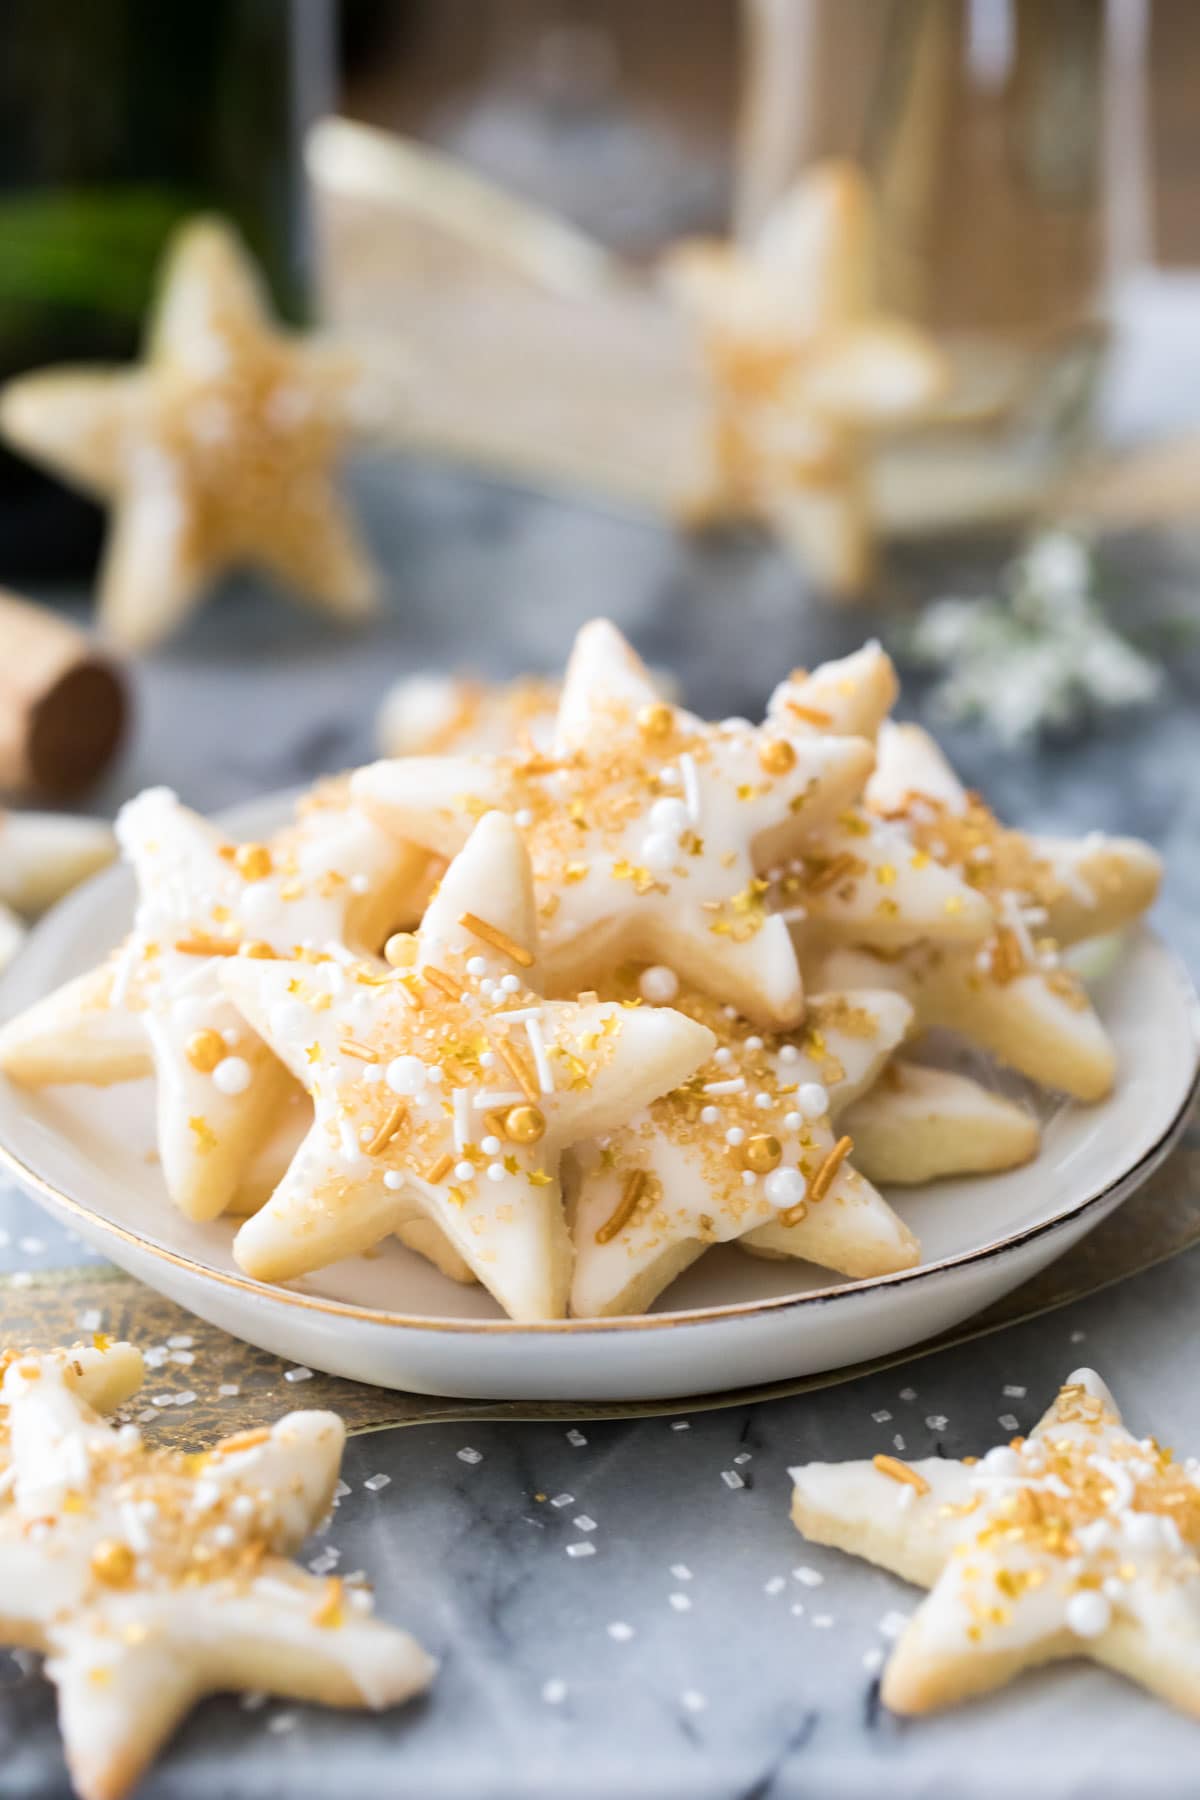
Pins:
x: 730, y: 1322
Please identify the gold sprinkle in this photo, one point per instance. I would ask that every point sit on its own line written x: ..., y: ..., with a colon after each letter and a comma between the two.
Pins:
x: 823, y: 1180
x: 388, y: 1129
x: 524, y: 1124
x: 204, y: 1050
x: 258, y: 948
x: 203, y: 1132
x: 499, y: 940
x: 838, y: 868
x: 362, y: 1052
x: 252, y: 861
x: 202, y: 943
x: 439, y: 979
x: 437, y: 1170
x: 776, y: 756
x: 811, y: 715
x: 762, y: 1153
x: 516, y: 1068
x: 656, y: 720
x: 902, y: 1472
x: 794, y: 1214
x: 112, y: 1562
x: 635, y: 1187
x: 329, y: 1612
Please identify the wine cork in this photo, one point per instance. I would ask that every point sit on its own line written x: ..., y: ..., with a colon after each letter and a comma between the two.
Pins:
x: 62, y: 706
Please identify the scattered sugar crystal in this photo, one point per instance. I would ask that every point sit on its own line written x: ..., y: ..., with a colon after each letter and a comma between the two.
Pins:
x: 908, y: 1393
x: 282, y: 1722
x: 155, y: 1356
x: 563, y: 1500
x: 163, y: 1399
x: 373, y: 1483
x: 554, y: 1691
x: 1078, y: 1337
x: 680, y: 1602
x: 91, y: 1320
x: 892, y: 1624
x: 341, y: 1490
x: 584, y: 1549
x: 1014, y: 1393
x: 681, y: 1572
x: 327, y: 1561
x: 229, y: 1390
x: 937, y: 1421
x: 732, y: 1479
x: 252, y: 1701
x: 186, y: 1397
x: 822, y: 1621
x: 32, y: 1246
x: 181, y: 1341
x: 776, y: 1585
x: 743, y: 1457
x: 797, y: 1609
x: 681, y: 1425
x: 299, y: 1373
x: 872, y: 1659
x: 882, y: 1416
x: 808, y: 1577
x: 1008, y: 1422
x: 621, y: 1631
x: 576, y: 1437
x: 467, y: 1455
x: 898, y: 1442
x: 149, y: 1413
x: 583, y: 1522
x: 185, y: 1358
x: 691, y: 1701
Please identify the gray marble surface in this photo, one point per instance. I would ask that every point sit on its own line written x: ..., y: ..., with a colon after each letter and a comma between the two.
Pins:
x: 702, y: 1650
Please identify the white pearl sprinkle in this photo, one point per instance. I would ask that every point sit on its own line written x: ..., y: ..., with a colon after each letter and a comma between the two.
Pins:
x: 1088, y: 1613
x: 523, y: 818
x: 491, y: 1146
x: 658, y: 985
x: 476, y: 966
x: 487, y: 1059
x: 763, y: 1102
x: 393, y: 1179
x: 659, y: 851
x: 434, y: 1074
x: 788, y: 1053
x: 812, y: 1100
x: 785, y: 1187
x: 735, y: 1135
x: 754, y: 1043
x: 793, y: 1121
x: 406, y: 1075
x: 723, y: 1056
x: 670, y: 816
x: 748, y: 1178
x: 510, y: 984
x: 232, y: 1075
x: 464, y: 1171
x: 495, y: 1171
x: 709, y: 1115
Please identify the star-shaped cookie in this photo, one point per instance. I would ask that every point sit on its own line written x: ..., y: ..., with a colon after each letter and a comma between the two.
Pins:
x: 1012, y: 994
x: 218, y: 451
x: 917, y: 1123
x: 647, y: 828
x: 150, y: 1578
x: 449, y: 1088
x: 805, y: 371
x: 857, y: 878
x: 332, y: 880
x: 1079, y: 1540
x: 744, y: 1149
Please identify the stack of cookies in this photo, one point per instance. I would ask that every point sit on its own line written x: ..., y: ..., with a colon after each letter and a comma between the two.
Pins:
x: 592, y: 984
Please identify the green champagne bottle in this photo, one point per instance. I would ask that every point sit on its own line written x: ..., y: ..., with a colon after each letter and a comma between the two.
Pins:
x: 117, y: 119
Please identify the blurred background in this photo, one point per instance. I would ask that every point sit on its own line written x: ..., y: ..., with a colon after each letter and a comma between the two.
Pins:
x: 484, y: 198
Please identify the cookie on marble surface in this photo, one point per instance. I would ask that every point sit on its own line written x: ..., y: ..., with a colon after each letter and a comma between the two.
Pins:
x: 1079, y: 1540
x: 744, y: 1150
x: 150, y: 1578
x: 645, y: 826
x: 156, y: 1005
x: 447, y: 1088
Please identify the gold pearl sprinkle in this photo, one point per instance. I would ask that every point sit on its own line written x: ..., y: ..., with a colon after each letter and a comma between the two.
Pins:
x: 776, y: 756
x: 524, y: 1124
x: 204, y: 1050
x: 257, y: 949
x: 762, y: 1153
x: 252, y: 861
x: 656, y: 720
x: 112, y: 1562
x: 400, y: 950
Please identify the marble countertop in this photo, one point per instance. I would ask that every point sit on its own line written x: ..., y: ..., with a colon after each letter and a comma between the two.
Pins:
x: 701, y: 1650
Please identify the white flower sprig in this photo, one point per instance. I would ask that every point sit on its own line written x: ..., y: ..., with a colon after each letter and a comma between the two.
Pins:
x: 1038, y: 656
